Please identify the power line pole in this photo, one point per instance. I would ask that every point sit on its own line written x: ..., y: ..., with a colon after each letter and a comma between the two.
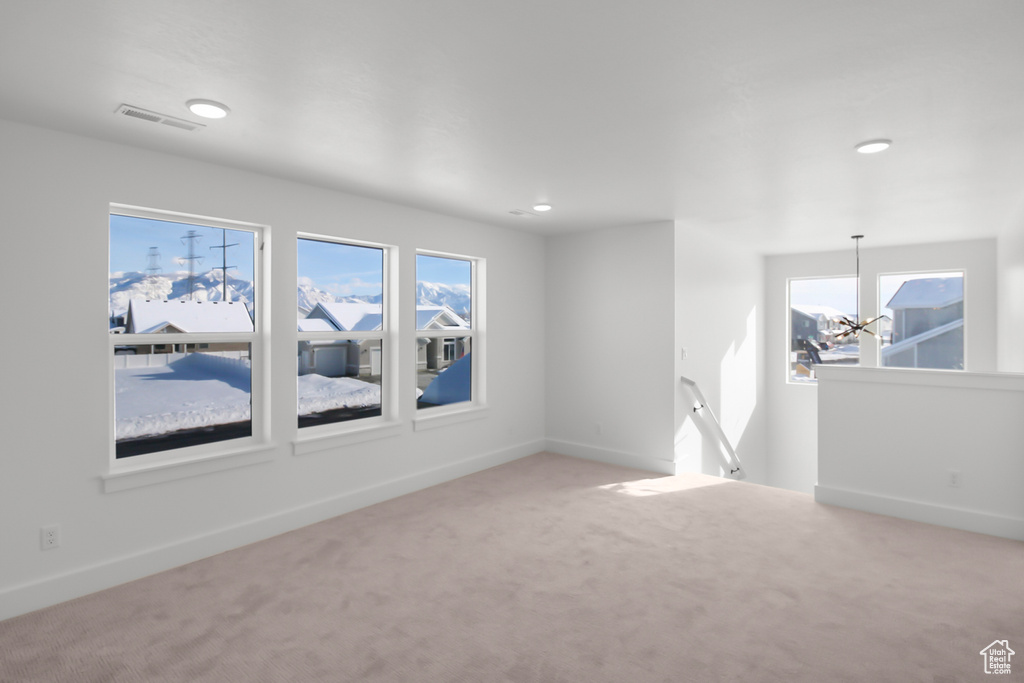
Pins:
x: 224, y: 263
x: 190, y: 241
x: 153, y: 259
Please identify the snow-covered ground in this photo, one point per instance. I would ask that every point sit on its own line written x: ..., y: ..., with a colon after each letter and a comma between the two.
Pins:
x: 849, y: 353
x: 196, y: 391
x: 846, y: 354
x: 318, y: 394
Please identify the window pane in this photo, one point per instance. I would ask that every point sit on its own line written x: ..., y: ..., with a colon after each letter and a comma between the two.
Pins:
x: 443, y: 371
x: 339, y: 380
x: 341, y: 286
x: 175, y: 395
x: 820, y: 309
x: 924, y: 320
x: 170, y: 277
x: 443, y: 293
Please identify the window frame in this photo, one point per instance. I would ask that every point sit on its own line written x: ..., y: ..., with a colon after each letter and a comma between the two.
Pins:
x: 175, y: 463
x: 314, y: 438
x: 788, y: 331
x: 476, y: 407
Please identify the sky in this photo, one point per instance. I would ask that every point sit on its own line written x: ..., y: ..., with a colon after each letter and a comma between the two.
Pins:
x: 841, y: 292
x: 131, y: 239
x: 351, y: 270
x: 442, y: 270
x: 341, y: 269
x: 837, y: 292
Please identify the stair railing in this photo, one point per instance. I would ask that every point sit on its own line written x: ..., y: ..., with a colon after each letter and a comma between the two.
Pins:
x: 713, y: 429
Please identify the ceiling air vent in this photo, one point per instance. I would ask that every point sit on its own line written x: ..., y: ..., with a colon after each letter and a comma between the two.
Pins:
x: 523, y: 214
x: 153, y: 117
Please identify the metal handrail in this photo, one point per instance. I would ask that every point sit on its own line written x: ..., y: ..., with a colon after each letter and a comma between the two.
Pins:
x: 731, y: 460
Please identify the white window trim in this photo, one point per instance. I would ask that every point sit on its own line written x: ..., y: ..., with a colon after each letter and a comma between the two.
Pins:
x: 788, y: 330
x: 476, y: 407
x: 162, y: 466
x: 871, y: 309
x: 330, y: 436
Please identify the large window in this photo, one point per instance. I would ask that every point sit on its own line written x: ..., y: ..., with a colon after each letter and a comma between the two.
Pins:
x: 817, y: 309
x: 447, y: 327
x: 184, y: 330
x: 342, y: 331
x: 923, y: 323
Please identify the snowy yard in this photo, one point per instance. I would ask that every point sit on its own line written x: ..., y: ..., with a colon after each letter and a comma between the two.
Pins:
x: 845, y: 354
x: 198, y: 391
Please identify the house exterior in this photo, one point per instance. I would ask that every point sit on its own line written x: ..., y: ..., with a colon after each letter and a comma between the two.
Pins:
x: 804, y: 327
x: 815, y: 323
x: 177, y: 316
x: 437, y: 353
x: 341, y: 358
x: 928, y: 324
x: 361, y: 358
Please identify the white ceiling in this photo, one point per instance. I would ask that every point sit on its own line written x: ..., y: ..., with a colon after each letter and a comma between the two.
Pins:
x: 740, y: 116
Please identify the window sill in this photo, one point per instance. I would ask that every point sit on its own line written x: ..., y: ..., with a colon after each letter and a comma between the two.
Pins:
x: 314, y: 443
x: 446, y: 416
x: 123, y: 477
x: 927, y: 377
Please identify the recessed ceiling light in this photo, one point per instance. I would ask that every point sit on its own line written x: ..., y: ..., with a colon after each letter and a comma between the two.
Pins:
x: 208, y: 109
x: 541, y: 207
x: 873, y: 146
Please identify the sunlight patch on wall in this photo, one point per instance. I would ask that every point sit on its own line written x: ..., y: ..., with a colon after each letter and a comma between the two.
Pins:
x: 739, y: 382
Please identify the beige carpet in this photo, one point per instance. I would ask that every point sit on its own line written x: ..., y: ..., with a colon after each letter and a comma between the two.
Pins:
x: 556, y: 569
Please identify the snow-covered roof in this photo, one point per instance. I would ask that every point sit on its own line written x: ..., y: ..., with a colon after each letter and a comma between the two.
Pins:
x: 439, y: 318
x: 370, y: 321
x: 350, y: 316
x: 929, y: 292
x: 364, y: 317
x: 315, y: 325
x: 154, y: 315
x: 820, y: 311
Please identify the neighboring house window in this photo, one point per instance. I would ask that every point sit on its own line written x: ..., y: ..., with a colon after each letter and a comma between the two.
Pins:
x: 184, y: 331
x: 923, y: 325
x: 447, y: 328
x: 817, y: 307
x: 342, y: 328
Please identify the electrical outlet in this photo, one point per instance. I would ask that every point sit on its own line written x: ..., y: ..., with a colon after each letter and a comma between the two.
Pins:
x: 49, y: 537
x: 954, y: 479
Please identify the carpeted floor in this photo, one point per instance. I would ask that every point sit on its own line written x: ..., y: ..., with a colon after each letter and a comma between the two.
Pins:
x: 556, y: 569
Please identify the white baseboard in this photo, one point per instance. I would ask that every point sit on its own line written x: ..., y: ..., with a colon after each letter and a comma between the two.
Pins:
x: 954, y: 518
x: 52, y: 590
x: 639, y: 462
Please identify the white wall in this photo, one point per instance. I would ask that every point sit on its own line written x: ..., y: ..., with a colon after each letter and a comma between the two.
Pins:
x: 719, y: 320
x: 609, y: 345
x: 792, y: 408
x: 56, y: 189
x: 1010, y: 268
x: 915, y: 428
x: 622, y: 304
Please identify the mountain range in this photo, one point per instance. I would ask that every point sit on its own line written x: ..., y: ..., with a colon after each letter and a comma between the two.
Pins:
x: 209, y: 287
x: 172, y: 286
